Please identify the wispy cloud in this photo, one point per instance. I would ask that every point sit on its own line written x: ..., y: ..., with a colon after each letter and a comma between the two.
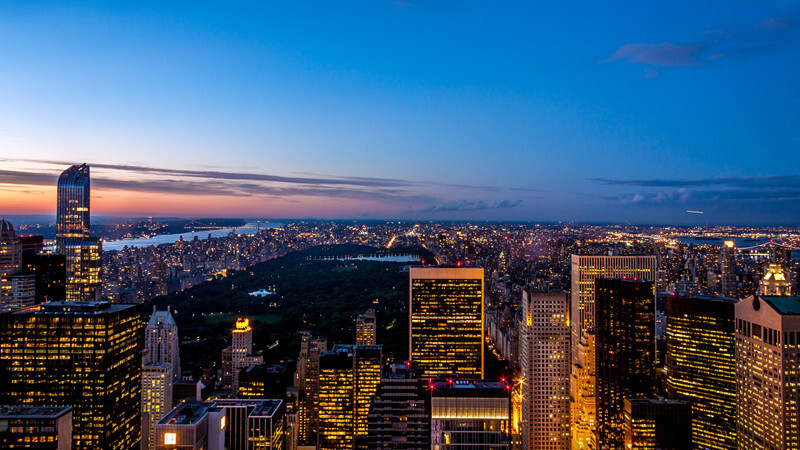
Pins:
x: 472, y: 205
x: 711, y: 46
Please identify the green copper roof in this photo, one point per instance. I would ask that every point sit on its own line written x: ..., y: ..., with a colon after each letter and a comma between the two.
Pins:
x: 784, y: 305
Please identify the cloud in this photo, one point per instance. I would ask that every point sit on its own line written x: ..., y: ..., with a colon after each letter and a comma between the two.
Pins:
x: 711, y: 46
x: 476, y: 205
x: 665, y: 54
x: 750, y: 182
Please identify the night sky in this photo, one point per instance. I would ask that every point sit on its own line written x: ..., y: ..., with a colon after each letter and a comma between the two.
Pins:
x: 535, y: 111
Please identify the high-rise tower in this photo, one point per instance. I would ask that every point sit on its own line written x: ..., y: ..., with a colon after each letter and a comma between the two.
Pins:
x: 727, y: 261
x: 544, y: 335
x: 701, y: 366
x: 10, y: 265
x: 585, y: 270
x: 366, y: 328
x: 87, y: 355
x: 767, y: 364
x: 446, y: 321
x: 72, y: 208
x: 625, y: 329
x: 161, y: 341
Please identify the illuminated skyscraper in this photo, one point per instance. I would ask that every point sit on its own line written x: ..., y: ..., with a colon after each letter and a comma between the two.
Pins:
x: 727, y: 261
x: 307, y: 382
x: 87, y: 355
x: 366, y: 328
x: 72, y: 207
x: 348, y: 380
x: 239, y: 354
x: 156, y: 399
x: 774, y: 282
x: 701, y: 366
x: 398, y: 418
x: 625, y: 326
x: 84, y: 269
x: 585, y: 270
x: 161, y: 341
x: 767, y: 368
x: 473, y: 414
x: 446, y: 321
x: 10, y: 265
x: 544, y: 335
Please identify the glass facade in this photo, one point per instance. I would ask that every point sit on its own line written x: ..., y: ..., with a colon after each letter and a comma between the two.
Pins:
x: 72, y: 207
x: 701, y: 366
x: 85, y: 355
x: 446, y: 336
x: 625, y: 337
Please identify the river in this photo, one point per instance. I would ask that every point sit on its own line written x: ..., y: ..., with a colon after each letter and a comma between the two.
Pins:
x: 249, y: 228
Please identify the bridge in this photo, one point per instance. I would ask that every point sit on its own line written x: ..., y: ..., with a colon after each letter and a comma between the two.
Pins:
x: 770, y: 243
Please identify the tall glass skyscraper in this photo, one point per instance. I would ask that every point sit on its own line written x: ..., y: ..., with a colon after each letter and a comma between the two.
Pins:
x: 446, y: 323
x: 625, y: 327
x: 87, y: 355
x: 72, y: 207
x: 701, y: 366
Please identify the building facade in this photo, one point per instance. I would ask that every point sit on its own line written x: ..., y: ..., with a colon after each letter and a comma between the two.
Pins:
x: 161, y: 341
x: 366, y: 328
x: 446, y: 321
x: 767, y: 367
x: 625, y: 331
x: 473, y: 414
x: 93, y: 362
x: 585, y: 270
x: 36, y: 427
x: 156, y: 399
x: 399, y: 417
x: 701, y: 366
x: 10, y: 264
x: 545, y: 362
x: 657, y: 424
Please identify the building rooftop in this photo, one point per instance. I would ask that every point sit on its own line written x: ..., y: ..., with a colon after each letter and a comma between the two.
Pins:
x: 33, y: 412
x: 688, y: 296
x: 72, y: 308
x: 784, y: 305
x: 187, y: 413
x: 440, y: 384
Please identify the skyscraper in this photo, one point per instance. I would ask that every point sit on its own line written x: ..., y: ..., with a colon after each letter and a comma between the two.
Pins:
x: 307, y: 382
x: 10, y: 265
x: 774, y: 282
x: 161, y: 341
x: 156, y: 399
x: 72, y: 207
x: 544, y: 334
x: 87, y: 355
x: 366, y: 328
x: 84, y: 264
x: 240, y: 354
x: 446, y: 321
x: 701, y: 366
x: 348, y: 380
x: 727, y: 261
x: 398, y: 417
x: 767, y: 367
x: 585, y: 270
x: 470, y: 414
x: 625, y: 337
x: 657, y: 424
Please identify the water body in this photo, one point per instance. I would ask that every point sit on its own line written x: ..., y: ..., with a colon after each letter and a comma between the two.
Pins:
x: 737, y: 241
x: 399, y: 259
x: 171, y: 238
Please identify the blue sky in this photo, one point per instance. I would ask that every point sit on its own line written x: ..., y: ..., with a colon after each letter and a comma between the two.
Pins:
x: 582, y: 111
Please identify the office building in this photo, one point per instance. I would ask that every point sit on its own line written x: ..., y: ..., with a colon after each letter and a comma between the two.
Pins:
x: 72, y: 207
x: 399, y: 415
x: 625, y: 326
x: 161, y: 341
x: 767, y: 367
x: 469, y: 414
x: 366, y: 328
x: 93, y: 362
x: 446, y: 321
x: 264, y: 381
x: 657, y: 424
x: 348, y: 380
x: 701, y: 366
x: 10, y: 264
x: 186, y: 390
x: 727, y: 262
x: 192, y: 426
x: 253, y: 424
x: 23, y: 290
x: 544, y: 334
x: 84, y: 269
x: 156, y: 399
x: 239, y: 355
x: 585, y: 270
x: 36, y: 427
x: 307, y: 383
x: 50, y: 270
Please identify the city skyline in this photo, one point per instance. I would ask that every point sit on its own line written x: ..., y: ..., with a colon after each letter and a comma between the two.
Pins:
x: 407, y: 110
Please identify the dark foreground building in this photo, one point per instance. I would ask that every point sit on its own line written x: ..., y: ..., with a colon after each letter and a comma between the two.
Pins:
x: 399, y: 417
x: 657, y: 424
x: 87, y: 355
